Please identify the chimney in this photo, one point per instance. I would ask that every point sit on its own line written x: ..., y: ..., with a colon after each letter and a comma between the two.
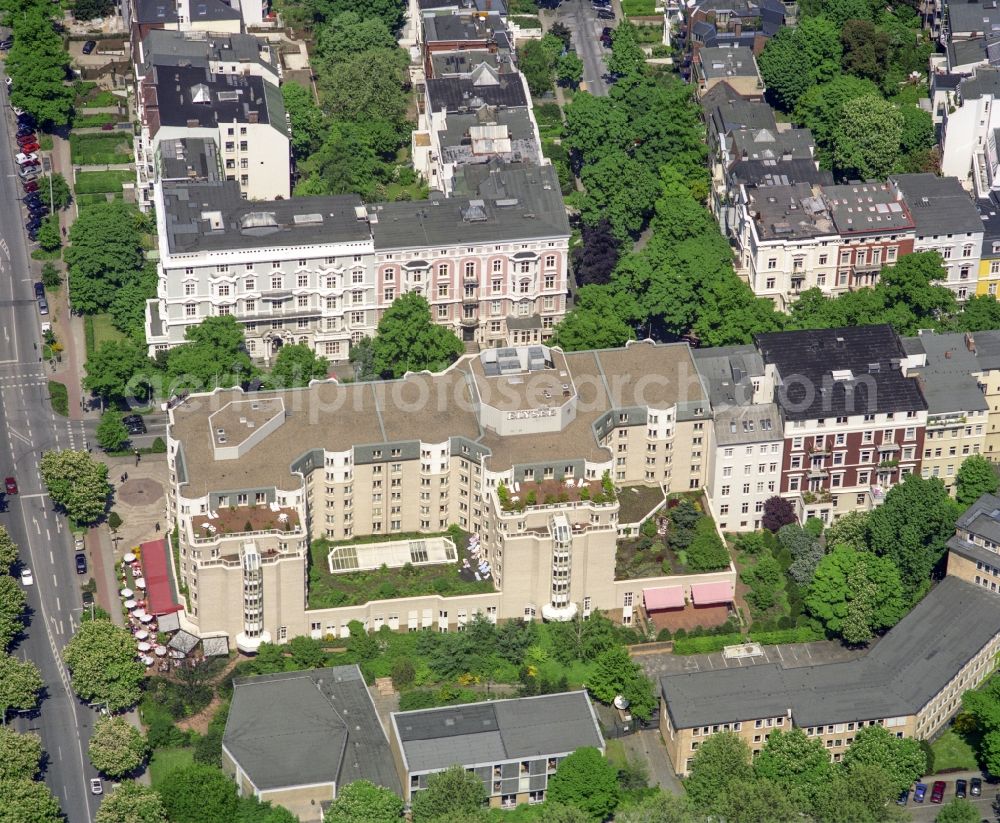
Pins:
x: 970, y: 342
x: 252, y: 117
x: 947, y: 355
x: 192, y: 124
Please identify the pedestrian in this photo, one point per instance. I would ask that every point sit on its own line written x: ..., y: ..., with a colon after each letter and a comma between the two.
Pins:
x: 157, y: 526
x: 126, y: 477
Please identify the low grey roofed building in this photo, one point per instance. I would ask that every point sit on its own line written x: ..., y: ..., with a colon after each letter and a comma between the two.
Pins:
x: 191, y: 159
x: 164, y: 12
x: 484, y: 86
x: 502, y: 730
x: 764, y: 173
x: 947, y: 380
x: 939, y: 205
x: 307, y: 728
x: 980, y: 522
x: 901, y: 673
x: 722, y: 62
x: 789, y: 212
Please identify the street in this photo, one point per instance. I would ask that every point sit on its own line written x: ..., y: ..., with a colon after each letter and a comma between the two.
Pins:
x: 27, y: 427
x: 581, y: 19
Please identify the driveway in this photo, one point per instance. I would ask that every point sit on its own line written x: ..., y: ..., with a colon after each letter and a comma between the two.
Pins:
x: 580, y: 18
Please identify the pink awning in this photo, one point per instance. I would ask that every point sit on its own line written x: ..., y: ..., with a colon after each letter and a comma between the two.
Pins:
x: 668, y: 597
x: 704, y: 593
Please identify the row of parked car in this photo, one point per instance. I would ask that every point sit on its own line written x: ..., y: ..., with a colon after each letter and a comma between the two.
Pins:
x: 29, y: 167
x: 963, y: 788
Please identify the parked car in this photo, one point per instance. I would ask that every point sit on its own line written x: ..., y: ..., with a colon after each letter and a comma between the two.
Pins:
x: 88, y: 599
x: 33, y: 225
x: 33, y: 197
x: 27, y: 578
x: 976, y: 787
x: 39, y: 290
x: 134, y: 423
x: 25, y: 131
x: 28, y: 173
x: 5, y: 45
x: 919, y: 791
x: 605, y: 14
x: 960, y: 787
x: 89, y: 46
x: 43, y: 306
x: 28, y: 137
x: 78, y: 543
x: 25, y: 156
x: 904, y: 797
x: 937, y: 791
x: 9, y: 82
x: 10, y: 485
x: 25, y: 120
x: 33, y: 236
x: 29, y: 185
x: 29, y: 148
x: 81, y: 563
x: 107, y: 126
x: 38, y: 210
x: 96, y: 787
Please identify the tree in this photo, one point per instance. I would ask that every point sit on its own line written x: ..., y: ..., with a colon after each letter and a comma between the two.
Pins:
x: 536, y: 65
x: 101, y: 658
x: 131, y: 802
x: 989, y: 751
x: 595, y: 258
x: 77, y: 483
x: 764, y: 579
x: 345, y: 163
x: 118, y: 369
x: 805, y: 549
x: 910, y: 293
x: 586, y: 781
x: 595, y: 126
x: 984, y: 705
x: 250, y: 810
x: 959, y: 810
x: 798, y: 58
x: 37, y: 64
x: 347, y: 34
x: 866, y: 141
x: 798, y: 764
x: 214, y: 355
x: 116, y: 746
x: 592, y: 324
x: 104, y: 255
x: 863, y: 794
x: 706, y: 550
x: 307, y: 653
x: 842, y: 11
x: 49, y: 238
x: 367, y: 86
x: 866, y: 50
x: 851, y: 531
x: 390, y: 12
x: 306, y: 118
x: 61, y: 196
x: 407, y: 339
x: 778, y: 512
x: 627, y: 56
x: 91, y: 9
x: 855, y: 594
x: 762, y: 801
x: 616, y: 674
x: 720, y: 761
x: 12, y: 603
x: 901, y: 758
x: 621, y: 190
x: 569, y: 69
x: 196, y: 793
x: 111, y: 432
x: 661, y: 807
x: 295, y: 365
x: 976, y: 477
x: 364, y: 802
x: 20, y: 755
x: 912, y: 528
x: 20, y: 683
x: 51, y: 276
x: 28, y: 801
x: 453, y: 792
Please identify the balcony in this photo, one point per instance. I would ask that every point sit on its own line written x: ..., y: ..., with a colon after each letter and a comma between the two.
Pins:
x: 556, y: 494
x: 245, y: 521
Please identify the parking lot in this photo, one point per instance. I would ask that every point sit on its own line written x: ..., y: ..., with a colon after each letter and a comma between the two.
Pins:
x: 658, y: 663
x: 926, y: 812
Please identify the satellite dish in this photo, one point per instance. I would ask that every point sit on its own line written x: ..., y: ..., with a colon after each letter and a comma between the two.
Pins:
x: 621, y: 703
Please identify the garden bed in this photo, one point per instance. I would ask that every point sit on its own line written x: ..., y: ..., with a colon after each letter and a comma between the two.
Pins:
x: 93, y: 182
x: 92, y: 121
x: 102, y: 148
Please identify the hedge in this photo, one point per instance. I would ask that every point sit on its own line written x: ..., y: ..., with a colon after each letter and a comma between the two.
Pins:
x: 800, y: 634
x: 706, y: 643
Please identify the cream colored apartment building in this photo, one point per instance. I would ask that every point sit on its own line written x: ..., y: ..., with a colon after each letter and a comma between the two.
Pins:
x: 910, y: 682
x: 527, y: 448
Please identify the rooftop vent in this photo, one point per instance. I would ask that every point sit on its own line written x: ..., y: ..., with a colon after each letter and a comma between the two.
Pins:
x: 259, y: 220
x: 307, y: 219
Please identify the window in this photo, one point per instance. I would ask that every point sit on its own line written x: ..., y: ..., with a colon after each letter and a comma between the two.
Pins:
x: 772, y: 262
x: 190, y: 310
x: 470, y: 269
x: 497, y: 266
x: 276, y: 282
x: 189, y: 289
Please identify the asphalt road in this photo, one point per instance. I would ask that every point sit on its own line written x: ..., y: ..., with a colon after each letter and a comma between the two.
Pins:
x: 580, y: 18
x: 27, y: 427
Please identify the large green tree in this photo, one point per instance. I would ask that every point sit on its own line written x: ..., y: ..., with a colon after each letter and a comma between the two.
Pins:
x: 721, y: 760
x: 627, y: 56
x: 867, y: 139
x: 593, y: 323
x: 799, y: 764
x: 364, y: 802
x: 8, y: 551
x: 214, y: 354
x: 820, y: 108
x: 12, y: 602
x: 76, y: 482
x: 197, y: 794
x: 901, y: 758
x: 622, y: 191
x: 851, y: 530
x: 102, y: 662
x: 20, y: 755
x: 37, y: 64
x: 451, y: 793
x: 118, y: 369
x: 367, y: 86
x: 862, y: 794
x: 116, y: 746
x: 408, y: 340
x: 797, y: 58
x: 347, y: 34
x: 958, y: 810
x: 20, y: 683
x: 976, y: 477
x: 661, y: 807
x: 28, y: 801
x: 112, y: 435
x: 760, y: 800
x: 854, y: 594
x: 586, y: 781
x: 306, y: 118
x: 912, y: 528
x: 105, y: 254
x: 131, y: 802
x: 296, y: 365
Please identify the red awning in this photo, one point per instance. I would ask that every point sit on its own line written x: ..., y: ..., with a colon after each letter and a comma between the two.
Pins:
x: 704, y: 593
x: 668, y: 597
x: 156, y: 570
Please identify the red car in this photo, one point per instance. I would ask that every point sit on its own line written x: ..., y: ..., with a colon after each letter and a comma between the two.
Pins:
x: 30, y: 185
x: 28, y: 148
x: 11, y: 485
x: 28, y: 138
x: 937, y: 793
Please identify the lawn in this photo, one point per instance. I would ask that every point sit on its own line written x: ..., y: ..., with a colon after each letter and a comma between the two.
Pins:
x: 328, y: 590
x: 92, y: 182
x: 91, y: 121
x: 165, y: 761
x: 59, y: 397
x: 639, y: 8
x: 83, y: 200
x: 954, y: 752
x: 100, y: 148
x: 97, y: 329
